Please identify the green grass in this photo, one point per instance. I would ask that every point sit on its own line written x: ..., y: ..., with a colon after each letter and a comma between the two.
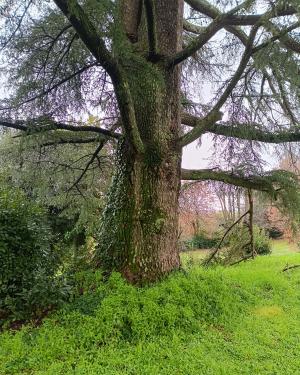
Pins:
x: 284, y: 247
x: 237, y: 320
x: 279, y: 247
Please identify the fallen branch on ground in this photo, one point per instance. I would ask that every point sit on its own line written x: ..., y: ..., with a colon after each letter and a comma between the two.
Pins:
x: 213, y: 254
x: 241, y: 260
x: 287, y: 267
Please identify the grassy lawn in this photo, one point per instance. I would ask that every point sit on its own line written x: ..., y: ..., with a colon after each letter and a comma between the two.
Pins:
x: 279, y: 247
x: 284, y: 247
x: 237, y: 320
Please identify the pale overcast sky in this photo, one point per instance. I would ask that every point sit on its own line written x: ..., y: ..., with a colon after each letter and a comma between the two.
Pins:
x: 198, y: 157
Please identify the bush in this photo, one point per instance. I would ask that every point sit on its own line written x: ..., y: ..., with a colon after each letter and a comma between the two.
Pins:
x: 27, y: 261
x: 275, y: 232
x: 262, y: 244
x: 201, y: 241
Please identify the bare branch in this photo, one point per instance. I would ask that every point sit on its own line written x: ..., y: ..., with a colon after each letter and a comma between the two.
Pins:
x: 240, y: 70
x: 287, y: 267
x: 241, y: 260
x: 214, y: 252
x: 88, y: 34
x: 94, y: 156
x: 17, y: 28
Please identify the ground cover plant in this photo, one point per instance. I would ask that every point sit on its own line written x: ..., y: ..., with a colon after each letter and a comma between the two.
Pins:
x: 235, y: 320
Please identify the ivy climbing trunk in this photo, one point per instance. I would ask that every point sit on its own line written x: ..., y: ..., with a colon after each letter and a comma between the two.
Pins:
x: 139, y: 230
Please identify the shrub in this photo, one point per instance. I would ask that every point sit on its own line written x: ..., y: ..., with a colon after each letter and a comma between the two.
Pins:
x: 262, y: 244
x: 201, y: 241
x: 275, y: 232
x: 27, y: 261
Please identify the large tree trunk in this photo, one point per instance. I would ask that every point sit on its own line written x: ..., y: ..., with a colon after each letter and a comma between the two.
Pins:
x: 139, y: 230
x: 140, y: 223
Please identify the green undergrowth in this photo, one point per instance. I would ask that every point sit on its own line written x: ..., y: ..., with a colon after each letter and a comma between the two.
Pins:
x: 236, y: 320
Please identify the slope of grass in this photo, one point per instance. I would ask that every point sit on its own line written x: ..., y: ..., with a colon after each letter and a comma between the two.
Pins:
x: 238, y: 320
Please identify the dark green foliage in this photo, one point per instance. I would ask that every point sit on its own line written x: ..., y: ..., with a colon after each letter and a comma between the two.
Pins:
x: 262, y: 243
x: 275, y: 232
x: 201, y: 241
x: 27, y: 261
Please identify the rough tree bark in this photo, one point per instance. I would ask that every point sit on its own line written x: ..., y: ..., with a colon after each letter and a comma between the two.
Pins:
x: 139, y: 231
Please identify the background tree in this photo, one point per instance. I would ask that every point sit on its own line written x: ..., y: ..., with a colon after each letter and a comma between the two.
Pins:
x: 134, y: 62
x: 196, y: 204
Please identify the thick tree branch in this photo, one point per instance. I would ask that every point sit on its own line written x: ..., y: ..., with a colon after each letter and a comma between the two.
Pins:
x: 91, y: 38
x: 281, y: 35
x: 191, y: 28
x: 213, y: 12
x: 252, y: 133
x: 201, y: 126
x: 249, y: 132
x: 261, y: 183
x: 40, y: 125
x: 250, y: 20
x: 214, y: 114
x: 208, y: 32
x: 65, y: 141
